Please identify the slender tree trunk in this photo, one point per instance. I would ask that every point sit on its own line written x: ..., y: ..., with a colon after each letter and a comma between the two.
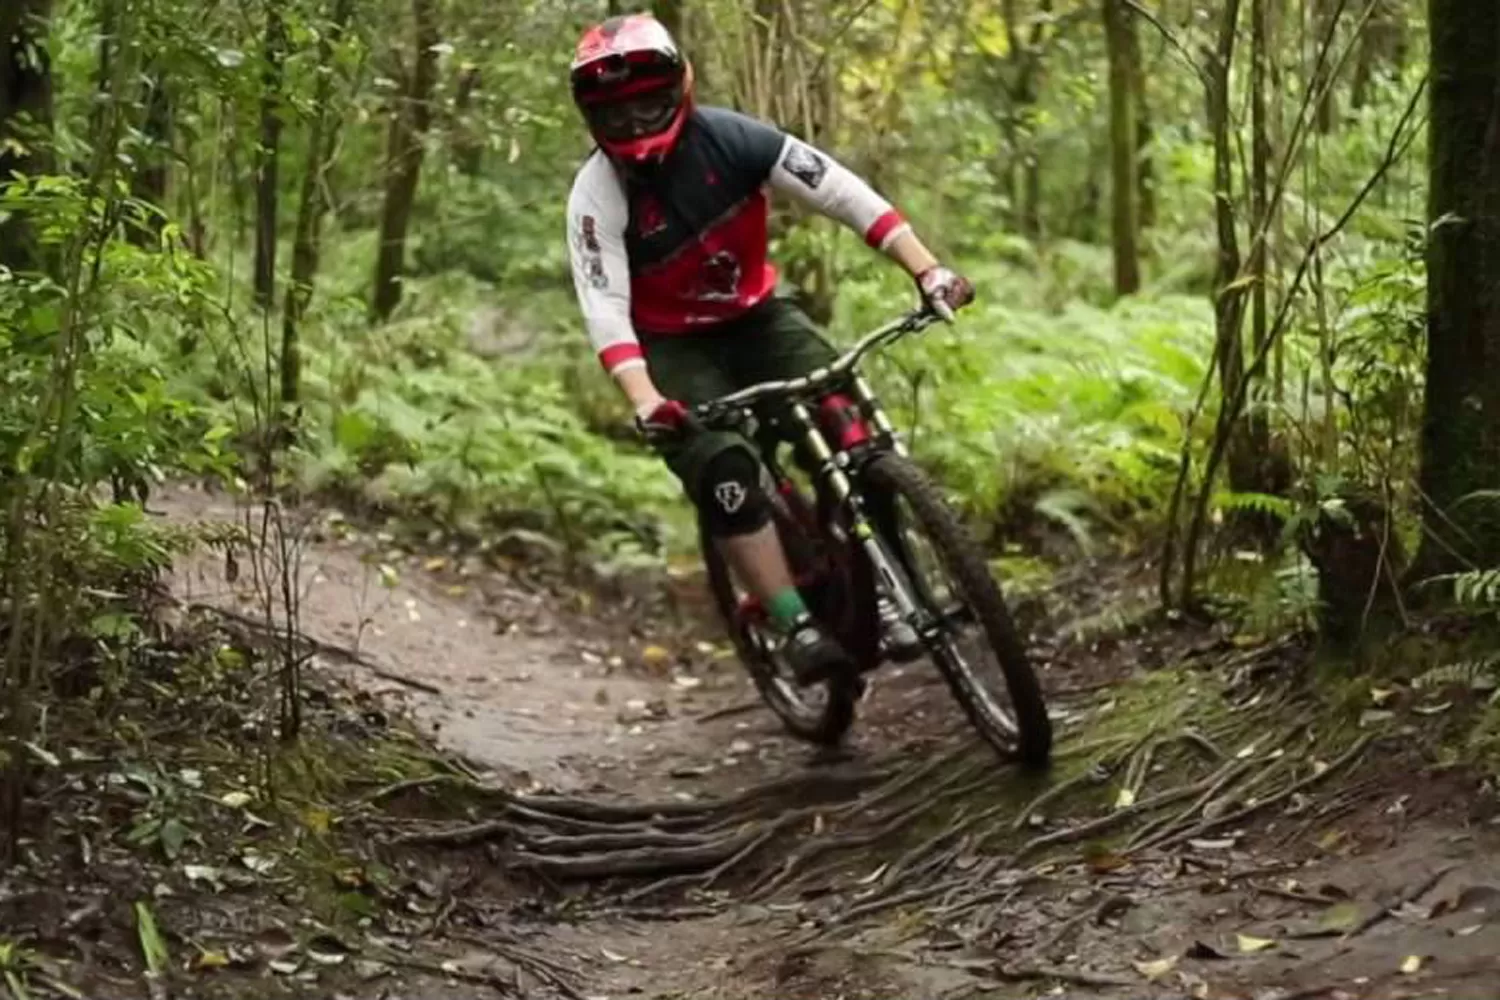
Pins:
x: 1144, y: 133
x: 1461, y: 424
x: 25, y: 117
x: 149, y: 181
x: 1324, y: 12
x: 1381, y: 48
x: 321, y: 142
x: 410, y: 120
x: 1123, y: 139
x: 268, y: 156
x: 468, y: 150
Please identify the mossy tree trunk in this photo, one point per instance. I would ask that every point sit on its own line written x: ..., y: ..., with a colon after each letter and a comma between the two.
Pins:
x: 1461, y: 426
x: 1123, y: 147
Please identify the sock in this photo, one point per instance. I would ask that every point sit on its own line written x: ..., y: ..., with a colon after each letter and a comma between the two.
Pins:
x: 785, y: 607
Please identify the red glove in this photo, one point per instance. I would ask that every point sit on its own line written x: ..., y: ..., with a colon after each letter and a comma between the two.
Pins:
x: 944, y: 291
x: 668, y: 420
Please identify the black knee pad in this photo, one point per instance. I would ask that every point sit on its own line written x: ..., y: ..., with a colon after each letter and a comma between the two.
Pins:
x: 730, y: 495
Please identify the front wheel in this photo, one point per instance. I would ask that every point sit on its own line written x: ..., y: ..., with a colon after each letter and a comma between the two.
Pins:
x: 914, y: 516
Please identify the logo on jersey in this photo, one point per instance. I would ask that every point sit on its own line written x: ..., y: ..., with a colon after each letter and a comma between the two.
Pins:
x: 590, y: 256
x: 649, y: 217
x: 731, y: 496
x: 804, y: 164
x: 719, y: 277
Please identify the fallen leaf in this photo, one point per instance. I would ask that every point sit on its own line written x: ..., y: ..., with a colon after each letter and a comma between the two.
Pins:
x: 655, y: 656
x: 235, y: 800
x: 1125, y: 799
x: 1411, y: 965
x: 1249, y: 944
x: 1342, y: 917
x: 317, y: 820
x: 1158, y: 968
x: 211, y: 960
x: 612, y: 955
x: 1105, y: 862
x: 1437, y: 709
x: 1379, y: 696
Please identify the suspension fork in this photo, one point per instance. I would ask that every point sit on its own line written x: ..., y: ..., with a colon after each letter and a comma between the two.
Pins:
x: 833, y: 468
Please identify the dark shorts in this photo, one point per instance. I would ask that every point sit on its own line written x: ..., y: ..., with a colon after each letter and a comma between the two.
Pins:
x: 774, y: 340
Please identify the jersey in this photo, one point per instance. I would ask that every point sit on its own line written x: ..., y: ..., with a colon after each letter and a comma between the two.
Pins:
x: 685, y: 248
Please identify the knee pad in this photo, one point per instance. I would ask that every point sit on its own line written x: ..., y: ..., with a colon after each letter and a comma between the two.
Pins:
x: 730, y: 495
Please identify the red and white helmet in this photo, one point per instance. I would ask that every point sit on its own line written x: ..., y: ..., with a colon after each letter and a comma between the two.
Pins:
x: 633, y: 86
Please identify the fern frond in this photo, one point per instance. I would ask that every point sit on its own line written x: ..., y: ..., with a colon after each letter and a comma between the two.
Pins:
x: 1260, y: 503
x: 1479, y: 589
x: 1477, y: 675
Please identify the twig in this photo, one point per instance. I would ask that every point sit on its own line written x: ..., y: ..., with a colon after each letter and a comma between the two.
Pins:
x: 728, y: 711
x: 334, y: 650
x: 1079, y: 977
x: 1411, y: 895
x: 1094, y: 914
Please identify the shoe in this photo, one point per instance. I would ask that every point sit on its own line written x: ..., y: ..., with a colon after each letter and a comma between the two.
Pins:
x: 899, y: 642
x: 812, y: 654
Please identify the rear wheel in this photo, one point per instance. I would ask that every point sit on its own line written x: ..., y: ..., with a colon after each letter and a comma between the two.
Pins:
x: 948, y: 571
x: 820, y: 713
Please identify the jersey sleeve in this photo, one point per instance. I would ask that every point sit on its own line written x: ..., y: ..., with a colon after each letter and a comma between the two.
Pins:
x: 597, y: 216
x: 825, y: 185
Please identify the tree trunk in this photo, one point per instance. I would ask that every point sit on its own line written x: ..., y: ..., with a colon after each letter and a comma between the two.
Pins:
x: 410, y: 120
x: 1144, y: 134
x: 1122, y: 133
x: 148, y: 183
x: 25, y: 116
x: 1324, y: 13
x: 1461, y: 424
x: 669, y: 13
x: 321, y: 142
x: 268, y: 156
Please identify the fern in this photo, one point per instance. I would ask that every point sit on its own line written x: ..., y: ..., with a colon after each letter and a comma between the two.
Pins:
x: 1477, y: 590
x: 1476, y: 675
x: 1259, y: 503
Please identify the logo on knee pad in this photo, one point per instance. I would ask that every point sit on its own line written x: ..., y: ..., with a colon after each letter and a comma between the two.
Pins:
x: 731, y: 496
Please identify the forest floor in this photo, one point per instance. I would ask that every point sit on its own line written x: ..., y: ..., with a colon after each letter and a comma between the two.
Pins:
x: 616, y: 817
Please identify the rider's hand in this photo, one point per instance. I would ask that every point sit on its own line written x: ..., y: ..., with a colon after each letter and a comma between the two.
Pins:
x: 662, y: 421
x: 944, y: 291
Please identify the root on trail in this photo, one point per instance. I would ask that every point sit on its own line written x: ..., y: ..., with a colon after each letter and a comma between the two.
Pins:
x: 947, y: 835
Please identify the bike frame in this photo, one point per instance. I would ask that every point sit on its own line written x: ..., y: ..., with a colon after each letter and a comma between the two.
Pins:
x: 850, y: 430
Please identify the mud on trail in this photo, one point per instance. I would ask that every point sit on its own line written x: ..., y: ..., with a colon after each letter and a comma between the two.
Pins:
x: 648, y: 831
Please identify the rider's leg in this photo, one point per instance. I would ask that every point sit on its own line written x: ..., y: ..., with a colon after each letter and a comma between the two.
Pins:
x: 722, y: 475
x: 790, y: 344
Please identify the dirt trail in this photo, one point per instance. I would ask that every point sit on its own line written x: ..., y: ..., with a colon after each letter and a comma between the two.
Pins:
x: 549, y: 700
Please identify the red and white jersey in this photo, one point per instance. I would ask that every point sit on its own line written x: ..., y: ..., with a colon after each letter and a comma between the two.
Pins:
x: 684, y: 248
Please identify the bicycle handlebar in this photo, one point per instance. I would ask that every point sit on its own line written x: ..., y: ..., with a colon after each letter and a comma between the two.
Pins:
x: 911, y: 322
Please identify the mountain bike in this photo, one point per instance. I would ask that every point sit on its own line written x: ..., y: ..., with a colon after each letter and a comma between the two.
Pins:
x: 861, y: 521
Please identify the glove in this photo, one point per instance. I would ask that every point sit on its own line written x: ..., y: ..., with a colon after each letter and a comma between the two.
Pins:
x: 944, y: 291
x: 663, y: 422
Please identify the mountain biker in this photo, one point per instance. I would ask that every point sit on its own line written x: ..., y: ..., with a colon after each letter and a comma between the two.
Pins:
x: 667, y: 233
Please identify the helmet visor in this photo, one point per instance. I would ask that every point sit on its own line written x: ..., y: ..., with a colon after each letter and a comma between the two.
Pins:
x: 636, y: 116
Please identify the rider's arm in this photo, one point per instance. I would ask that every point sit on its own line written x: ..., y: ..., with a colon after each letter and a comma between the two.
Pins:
x: 827, y: 186
x: 597, y: 215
